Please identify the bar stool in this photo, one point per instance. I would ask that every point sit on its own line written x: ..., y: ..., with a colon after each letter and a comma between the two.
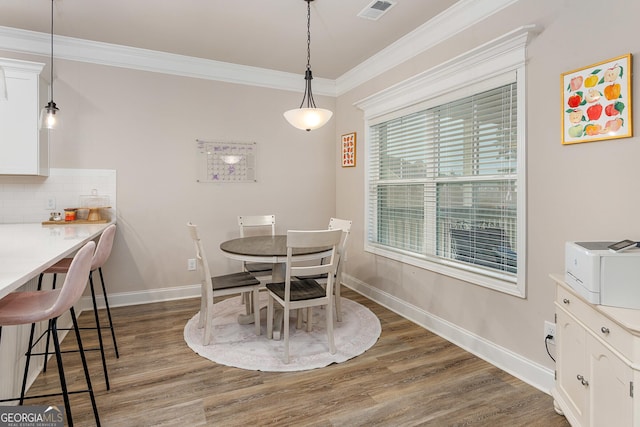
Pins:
x: 100, y: 257
x: 21, y: 308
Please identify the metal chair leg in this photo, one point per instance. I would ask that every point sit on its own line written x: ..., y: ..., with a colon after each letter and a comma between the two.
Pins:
x: 46, y: 350
x: 23, y: 390
x: 63, y: 382
x: 85, y: 367
x: 95, y: 312
x: 106, y: 303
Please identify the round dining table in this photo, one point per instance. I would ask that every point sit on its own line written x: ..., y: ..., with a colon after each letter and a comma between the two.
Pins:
x: 269, y: 249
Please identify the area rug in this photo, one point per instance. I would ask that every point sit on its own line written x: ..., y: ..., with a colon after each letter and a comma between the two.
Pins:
x: 237, y: 345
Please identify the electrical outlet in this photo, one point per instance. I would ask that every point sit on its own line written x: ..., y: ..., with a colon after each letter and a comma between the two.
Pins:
x: 550, y: 329
x: 191, y: 264
x: 51, y: 203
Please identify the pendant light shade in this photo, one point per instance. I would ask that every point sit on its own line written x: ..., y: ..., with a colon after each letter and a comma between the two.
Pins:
x: 308, y: 116
x: 49, y: 117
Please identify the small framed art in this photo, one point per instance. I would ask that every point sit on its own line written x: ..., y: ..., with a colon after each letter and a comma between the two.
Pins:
x: 596, y: 101
x: 348, y: 150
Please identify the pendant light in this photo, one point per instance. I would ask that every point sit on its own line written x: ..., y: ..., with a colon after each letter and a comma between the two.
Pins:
x: 49, y: 116
x: 308, y: 116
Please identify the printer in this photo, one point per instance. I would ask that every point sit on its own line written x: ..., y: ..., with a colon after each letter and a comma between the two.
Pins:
x: 602, y: 276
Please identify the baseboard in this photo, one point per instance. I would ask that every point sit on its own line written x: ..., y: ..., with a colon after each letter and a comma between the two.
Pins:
x: 530, y: 372
x: 143, y: 297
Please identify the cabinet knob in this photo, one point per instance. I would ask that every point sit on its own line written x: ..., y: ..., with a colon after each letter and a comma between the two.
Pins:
x: 582, y: 380
x: 604, y: 330
x: 566, y: 301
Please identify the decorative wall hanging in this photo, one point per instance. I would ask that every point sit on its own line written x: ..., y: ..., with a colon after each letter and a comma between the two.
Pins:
x: 226, y: 162
x: 596, y: 101
x: 348, y: 150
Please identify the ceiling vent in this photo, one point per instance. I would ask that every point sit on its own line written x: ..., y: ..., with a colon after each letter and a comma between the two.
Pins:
x: 376, y: 9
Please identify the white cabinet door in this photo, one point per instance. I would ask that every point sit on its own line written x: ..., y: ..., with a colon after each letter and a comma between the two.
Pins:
x: 611, y: 378
x: 571, y: 366
x: 23, y: 148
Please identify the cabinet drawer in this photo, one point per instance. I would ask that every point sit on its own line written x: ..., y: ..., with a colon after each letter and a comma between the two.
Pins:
x: 611, y: 333
x: 597, y: 323
x: 573, y: 304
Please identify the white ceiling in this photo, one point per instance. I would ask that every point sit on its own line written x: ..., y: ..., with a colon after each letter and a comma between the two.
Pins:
x: 262, y: 33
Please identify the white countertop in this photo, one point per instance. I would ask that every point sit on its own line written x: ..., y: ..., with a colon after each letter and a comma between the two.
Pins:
x: 28, y: 249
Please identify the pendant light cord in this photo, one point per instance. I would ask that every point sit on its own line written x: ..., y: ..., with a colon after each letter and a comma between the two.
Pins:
x: 308, y: 35
x: 51, y: 66
x: 308, y: 76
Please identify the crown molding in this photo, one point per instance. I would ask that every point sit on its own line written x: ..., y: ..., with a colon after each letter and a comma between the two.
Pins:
x: 499, y: 56
x: 447, y: 24
x: 73, y: 49
x: 452, y: 21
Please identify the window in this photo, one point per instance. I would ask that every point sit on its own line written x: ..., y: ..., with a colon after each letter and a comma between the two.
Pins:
x: 445, y: 171
x: 443, y: 181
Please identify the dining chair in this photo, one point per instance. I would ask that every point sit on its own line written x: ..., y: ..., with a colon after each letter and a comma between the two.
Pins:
x: 345, y: 226
x: 100, y: 257
x: 22, y: 308
x: 257, y: 225
x: 295, y: 294
x: 211, y: 287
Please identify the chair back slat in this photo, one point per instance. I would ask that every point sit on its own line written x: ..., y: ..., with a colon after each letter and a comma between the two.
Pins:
x: 202, y: 262
x: 329, y: 239
x: 262, y: 224
x: 345, y: 226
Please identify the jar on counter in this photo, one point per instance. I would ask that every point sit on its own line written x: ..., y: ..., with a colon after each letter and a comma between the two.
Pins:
x: 70, y: 214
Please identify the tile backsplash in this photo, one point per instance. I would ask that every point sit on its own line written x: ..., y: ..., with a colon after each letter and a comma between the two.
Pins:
x: 26, y: 198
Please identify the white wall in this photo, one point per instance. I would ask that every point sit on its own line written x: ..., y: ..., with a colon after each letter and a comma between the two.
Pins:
x: 570, y: 195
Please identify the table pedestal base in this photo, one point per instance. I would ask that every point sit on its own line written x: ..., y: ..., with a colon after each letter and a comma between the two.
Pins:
x: 278, y: 320
x: 277, y: 275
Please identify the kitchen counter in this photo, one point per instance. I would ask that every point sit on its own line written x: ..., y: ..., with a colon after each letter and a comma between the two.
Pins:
x: 28, y: 249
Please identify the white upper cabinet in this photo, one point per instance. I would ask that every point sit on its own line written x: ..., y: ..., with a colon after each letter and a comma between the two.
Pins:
x: 24, y: 149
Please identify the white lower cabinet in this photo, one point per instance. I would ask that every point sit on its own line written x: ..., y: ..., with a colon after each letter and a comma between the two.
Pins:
x: 611, y: 400
x: 598, y: 350
x: 24, y: 149
x: 571, y: 364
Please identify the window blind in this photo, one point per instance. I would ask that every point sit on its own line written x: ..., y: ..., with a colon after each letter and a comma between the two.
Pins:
x: 443, y: 182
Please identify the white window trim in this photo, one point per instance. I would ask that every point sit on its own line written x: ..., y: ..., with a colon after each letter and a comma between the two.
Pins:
x: 473, y: 71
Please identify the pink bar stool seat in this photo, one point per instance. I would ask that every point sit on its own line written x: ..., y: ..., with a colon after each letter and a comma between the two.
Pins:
x: 20, y: 308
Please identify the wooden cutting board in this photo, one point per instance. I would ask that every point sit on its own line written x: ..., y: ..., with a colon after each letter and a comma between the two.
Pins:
x: 77, y: 221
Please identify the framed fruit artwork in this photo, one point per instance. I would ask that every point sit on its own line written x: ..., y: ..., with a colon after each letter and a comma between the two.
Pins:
x: 596, y: 101
x: 348, y: 150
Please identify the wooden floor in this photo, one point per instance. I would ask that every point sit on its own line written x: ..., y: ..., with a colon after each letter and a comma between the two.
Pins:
x: 409, y: 377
